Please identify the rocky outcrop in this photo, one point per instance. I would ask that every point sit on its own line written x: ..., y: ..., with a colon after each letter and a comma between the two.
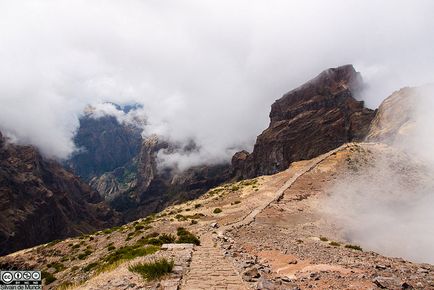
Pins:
x: 313, y: 119
x: 41, y: 201
x: 157, y: 187
x: 105, y: 144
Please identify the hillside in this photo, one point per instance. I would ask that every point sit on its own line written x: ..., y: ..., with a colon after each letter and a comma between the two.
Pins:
x: 41, y: 201
x: 271, y: 233
x: 115, y: 160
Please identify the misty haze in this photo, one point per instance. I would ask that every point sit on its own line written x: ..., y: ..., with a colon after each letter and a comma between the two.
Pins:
x: 217, y: 144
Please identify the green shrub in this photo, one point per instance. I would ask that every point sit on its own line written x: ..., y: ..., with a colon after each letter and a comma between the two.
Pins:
x: 180, y: 217
x: 235, y: 188
x: 84, y: 255
x: 90, y: 267
x: 324, y: 239
x: 129, y: 252
x: 197, y: 205
x: 335, y: 244
x: 153, y: 270
x: 217, y: 210
x: 49, y: 278
x: 167, y: 238
x: 354, y: 247
x: 185, y: 237
x: 162, y: 239
x: 139, y: 227
x: 236, y: 202
x: 193, y: 222
x: 111, y: 248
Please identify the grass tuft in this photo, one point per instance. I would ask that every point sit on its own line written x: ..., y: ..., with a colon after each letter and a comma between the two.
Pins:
x: 185, y: 237
x: 153, y: 270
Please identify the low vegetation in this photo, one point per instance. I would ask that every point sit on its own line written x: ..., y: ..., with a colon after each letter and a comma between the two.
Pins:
x: 48, y: 277
x: 354, y: 247
x: 185, y: 237
x: 334, y: 244
x: 90, y: 267
x: 217, y: 210
x: 128, y: 253
x: 84, y: 254
x: 57, y: 266
x: 159, y: 240
x: 153, y: 270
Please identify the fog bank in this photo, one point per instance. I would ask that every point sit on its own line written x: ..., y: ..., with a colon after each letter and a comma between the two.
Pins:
x: 203, y: 70
x: 387, y: 205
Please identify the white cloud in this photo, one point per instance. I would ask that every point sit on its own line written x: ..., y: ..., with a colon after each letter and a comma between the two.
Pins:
x: 203, y: 70
x: 388, y: 206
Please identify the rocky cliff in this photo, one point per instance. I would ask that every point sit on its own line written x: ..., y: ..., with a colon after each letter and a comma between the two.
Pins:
x: 105, y: 145
x: 123, y: 168
x: 41, y: 201
x: 310, y: 120
x: 157, y: 187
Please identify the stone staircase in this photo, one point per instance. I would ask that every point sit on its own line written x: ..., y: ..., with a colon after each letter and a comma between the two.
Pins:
x: 209, y: 269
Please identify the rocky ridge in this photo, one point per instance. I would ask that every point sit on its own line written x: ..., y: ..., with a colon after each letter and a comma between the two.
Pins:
x: 308, y: 121
x: 41, y: 201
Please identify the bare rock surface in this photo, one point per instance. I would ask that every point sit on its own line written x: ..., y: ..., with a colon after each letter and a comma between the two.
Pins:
x: 313, y: 119
x: 40, y: 201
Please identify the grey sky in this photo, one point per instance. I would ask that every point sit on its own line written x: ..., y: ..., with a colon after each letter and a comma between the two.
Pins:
x: 207, y: 70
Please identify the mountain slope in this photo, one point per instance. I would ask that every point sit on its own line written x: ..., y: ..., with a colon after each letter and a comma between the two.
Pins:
x: 105, y: 146
x: 271, y: 233
x: 123, y: 168
x: 310, y: 120
x: 41, y: 201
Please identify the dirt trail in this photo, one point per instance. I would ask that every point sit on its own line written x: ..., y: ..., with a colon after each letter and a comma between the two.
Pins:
x: 209, y: 268
x: 249, y: 218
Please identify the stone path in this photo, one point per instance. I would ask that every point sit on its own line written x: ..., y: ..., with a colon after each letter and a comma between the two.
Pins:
x: 249, y: 218
x: 209, y: 269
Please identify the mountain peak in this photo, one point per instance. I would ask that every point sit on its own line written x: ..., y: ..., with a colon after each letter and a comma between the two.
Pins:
x: 312, y: 119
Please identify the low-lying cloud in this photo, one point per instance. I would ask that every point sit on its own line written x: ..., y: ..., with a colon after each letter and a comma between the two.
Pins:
x: 203, y: 70
x: 388, y: 205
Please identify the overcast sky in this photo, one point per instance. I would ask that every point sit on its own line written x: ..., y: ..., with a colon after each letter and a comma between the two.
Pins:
x: 203, y: 70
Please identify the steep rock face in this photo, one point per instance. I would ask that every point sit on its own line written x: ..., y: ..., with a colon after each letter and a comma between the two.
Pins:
x: 156, y: 188
x: 40, y: 201
x: 313, y: 119
x: 105, y: 145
